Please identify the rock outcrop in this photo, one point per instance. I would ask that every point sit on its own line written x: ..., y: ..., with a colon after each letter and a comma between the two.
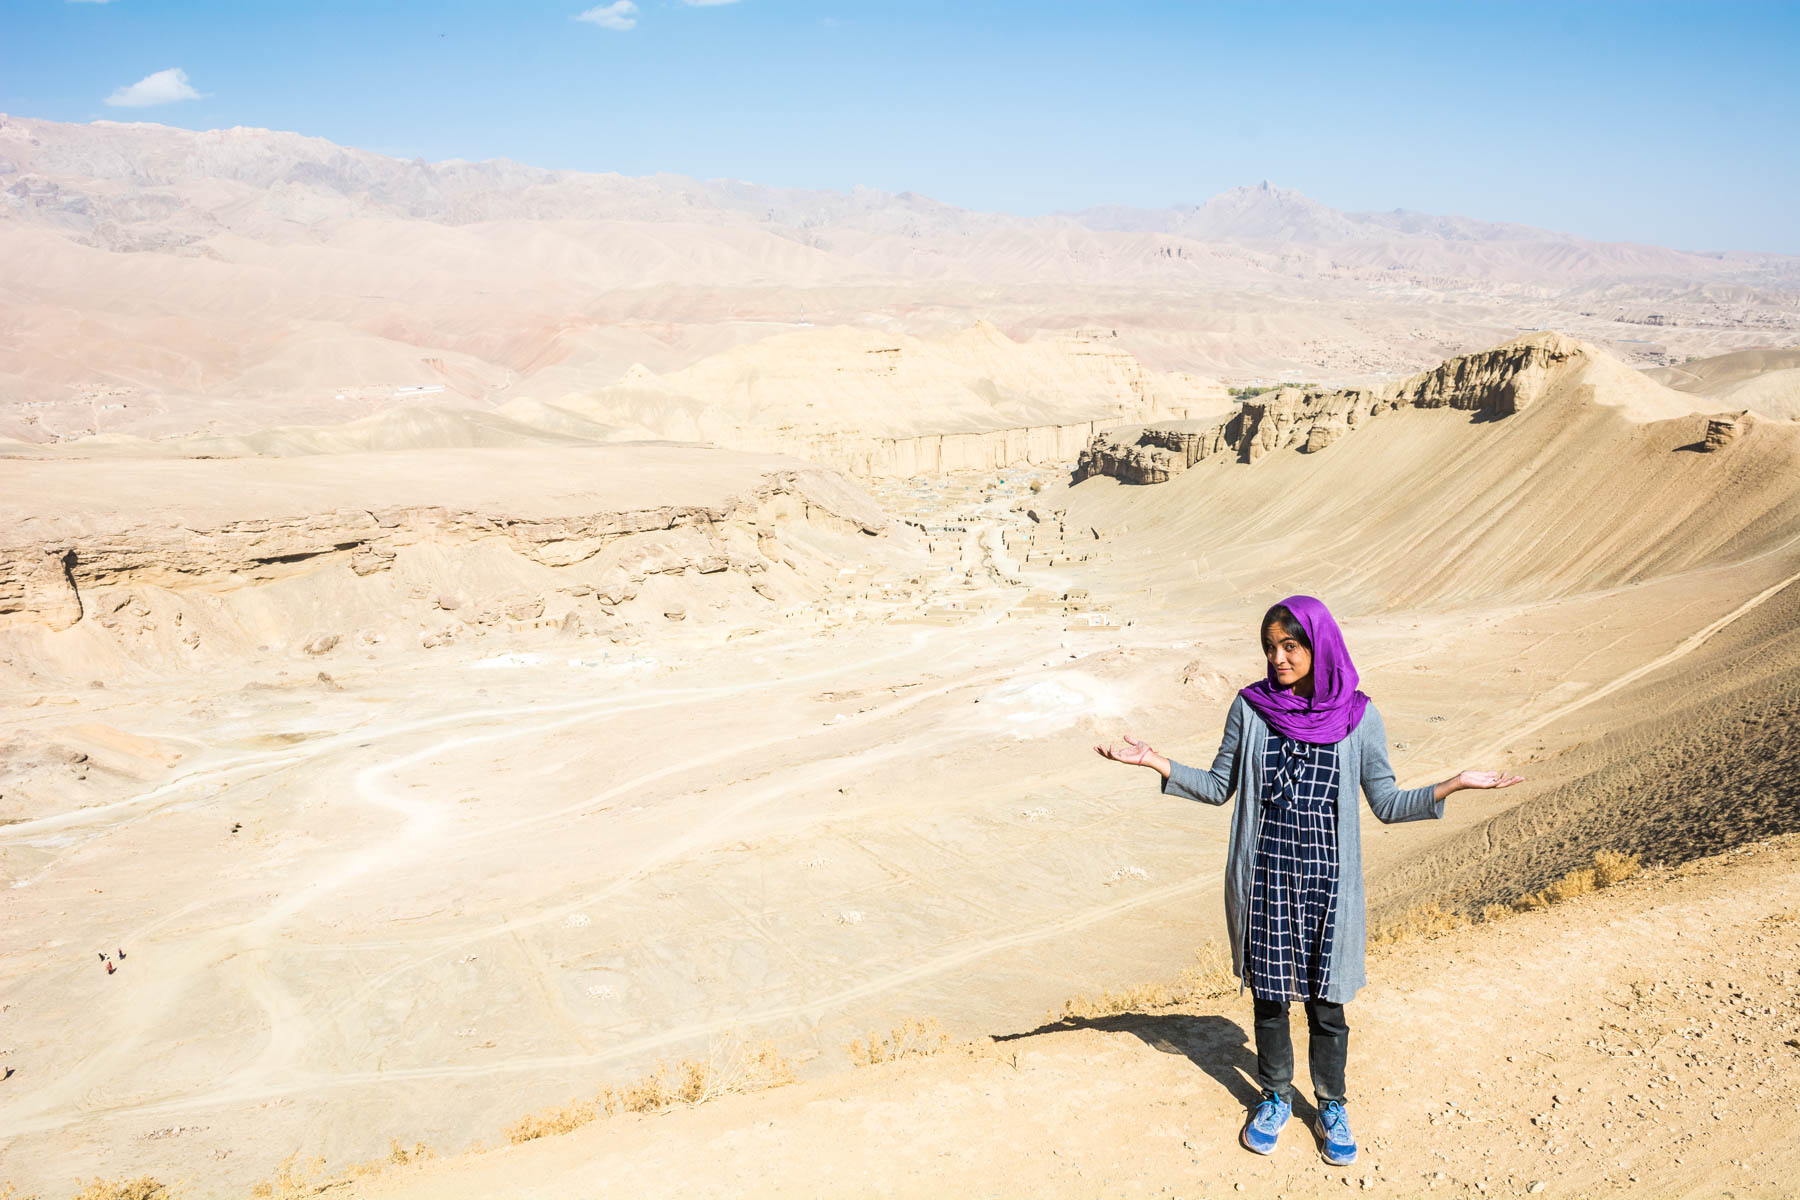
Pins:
x: 1306, y: 419
x: 1148, y: 453
x: 40, y: 580
x: 1492, y: 385
x: 617, y: 552
x: 1497, y: 382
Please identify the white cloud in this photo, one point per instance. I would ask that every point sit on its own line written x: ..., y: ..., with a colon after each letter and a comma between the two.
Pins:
x: 164, y: 87
x: 620, y: 14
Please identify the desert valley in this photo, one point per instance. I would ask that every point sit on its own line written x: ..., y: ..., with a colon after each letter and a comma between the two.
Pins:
x: 469, y: 633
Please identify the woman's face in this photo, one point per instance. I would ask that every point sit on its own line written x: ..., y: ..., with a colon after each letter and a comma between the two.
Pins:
x: 1291, y: 661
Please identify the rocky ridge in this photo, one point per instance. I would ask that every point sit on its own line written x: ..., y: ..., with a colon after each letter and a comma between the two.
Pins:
x: 132, y: 579
x: 1493, y: 384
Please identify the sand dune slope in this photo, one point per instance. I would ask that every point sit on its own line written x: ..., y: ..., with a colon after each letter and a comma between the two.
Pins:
x: 1690, y: 759
x: 1767, y: 381
x: 1582, y: 481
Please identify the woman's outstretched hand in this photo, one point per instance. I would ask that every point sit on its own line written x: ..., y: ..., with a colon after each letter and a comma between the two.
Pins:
x: 1487, y: 779
x: 1138, y: 754
x: 1476, y: 779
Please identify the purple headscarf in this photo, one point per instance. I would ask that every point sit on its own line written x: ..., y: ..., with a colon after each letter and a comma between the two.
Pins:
x: 1336, y: 706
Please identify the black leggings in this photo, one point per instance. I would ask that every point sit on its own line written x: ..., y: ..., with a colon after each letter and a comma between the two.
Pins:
x: 1328, y: 1044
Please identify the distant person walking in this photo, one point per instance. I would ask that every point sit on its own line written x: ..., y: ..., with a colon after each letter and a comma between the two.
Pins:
x: 1293, y: 870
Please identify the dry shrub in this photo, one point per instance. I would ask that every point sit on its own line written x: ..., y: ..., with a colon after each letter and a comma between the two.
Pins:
x: 1208, y: 976
x: 9, y: 1191
x: 550, y: 1121
x: 141, y: 1188
x: 911, y: 1038
x: 397, y: 1156
x: 1578, y: 882
x: 730, y: 1066
x: 1610, y: 867
x: 294, y: 1177
x: 1426, y: 920
x: 1110, y: 1003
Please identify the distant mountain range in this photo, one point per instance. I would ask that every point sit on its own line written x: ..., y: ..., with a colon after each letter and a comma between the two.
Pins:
x: 138, y: 174
x: 163, y: 280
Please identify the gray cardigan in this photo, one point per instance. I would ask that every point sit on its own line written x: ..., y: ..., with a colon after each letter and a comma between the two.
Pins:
x: 1237, y: 768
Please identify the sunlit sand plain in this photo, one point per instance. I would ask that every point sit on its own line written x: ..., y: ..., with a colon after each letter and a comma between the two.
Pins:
x: 420, y: 771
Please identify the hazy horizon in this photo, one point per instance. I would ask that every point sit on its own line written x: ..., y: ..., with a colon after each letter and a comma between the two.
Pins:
x: 1658, y: 125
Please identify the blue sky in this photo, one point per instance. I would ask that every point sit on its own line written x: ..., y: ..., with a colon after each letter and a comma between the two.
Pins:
x: 1670, y: 123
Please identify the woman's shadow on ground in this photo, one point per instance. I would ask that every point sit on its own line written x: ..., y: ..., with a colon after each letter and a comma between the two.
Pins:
x: 1213, y: 1043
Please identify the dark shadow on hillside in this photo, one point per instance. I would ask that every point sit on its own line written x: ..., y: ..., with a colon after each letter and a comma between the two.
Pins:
x: 1215, y: 1044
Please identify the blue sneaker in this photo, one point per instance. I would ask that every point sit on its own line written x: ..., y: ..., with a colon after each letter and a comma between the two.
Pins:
x: 1336, y: 1146
x: 1264, y: 1125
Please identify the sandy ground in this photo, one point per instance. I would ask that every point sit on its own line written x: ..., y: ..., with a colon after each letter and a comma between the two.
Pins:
x: 1637, y: 1041
x: 443, y: 891
x: 433, y: 887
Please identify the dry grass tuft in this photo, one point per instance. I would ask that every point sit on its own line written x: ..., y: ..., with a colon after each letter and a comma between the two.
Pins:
x: 549, y: 1122
x: 397, y: 1156
x: 294, y: 1177
x: 9, y: 1191
x: 1208, y: 976
x: 912, y: 1038
x: 1427, y: 920
x: 1610, y: 867
x: 1110, y: 1003
x: 730, y: 1066
x: 400, y: 1156
x: 141, y: 1188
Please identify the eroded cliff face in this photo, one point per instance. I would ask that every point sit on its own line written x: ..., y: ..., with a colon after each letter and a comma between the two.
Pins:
x: 867, y: 457
x: 349, y: 576
x: 937, y: 454
x: 1497, y: 382
x: 1494, y: 383
x: 1149, y: 453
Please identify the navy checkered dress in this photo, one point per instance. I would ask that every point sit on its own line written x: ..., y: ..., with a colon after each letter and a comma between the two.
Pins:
x: 1293, y: 892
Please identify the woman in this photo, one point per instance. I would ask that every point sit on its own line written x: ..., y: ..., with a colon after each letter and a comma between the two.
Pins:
x: 1293, y: 873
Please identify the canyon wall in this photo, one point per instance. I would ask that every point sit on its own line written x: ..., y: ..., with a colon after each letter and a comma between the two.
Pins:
x: 356, y: 577
x: 932, y: 453
x: 1493, y: 384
